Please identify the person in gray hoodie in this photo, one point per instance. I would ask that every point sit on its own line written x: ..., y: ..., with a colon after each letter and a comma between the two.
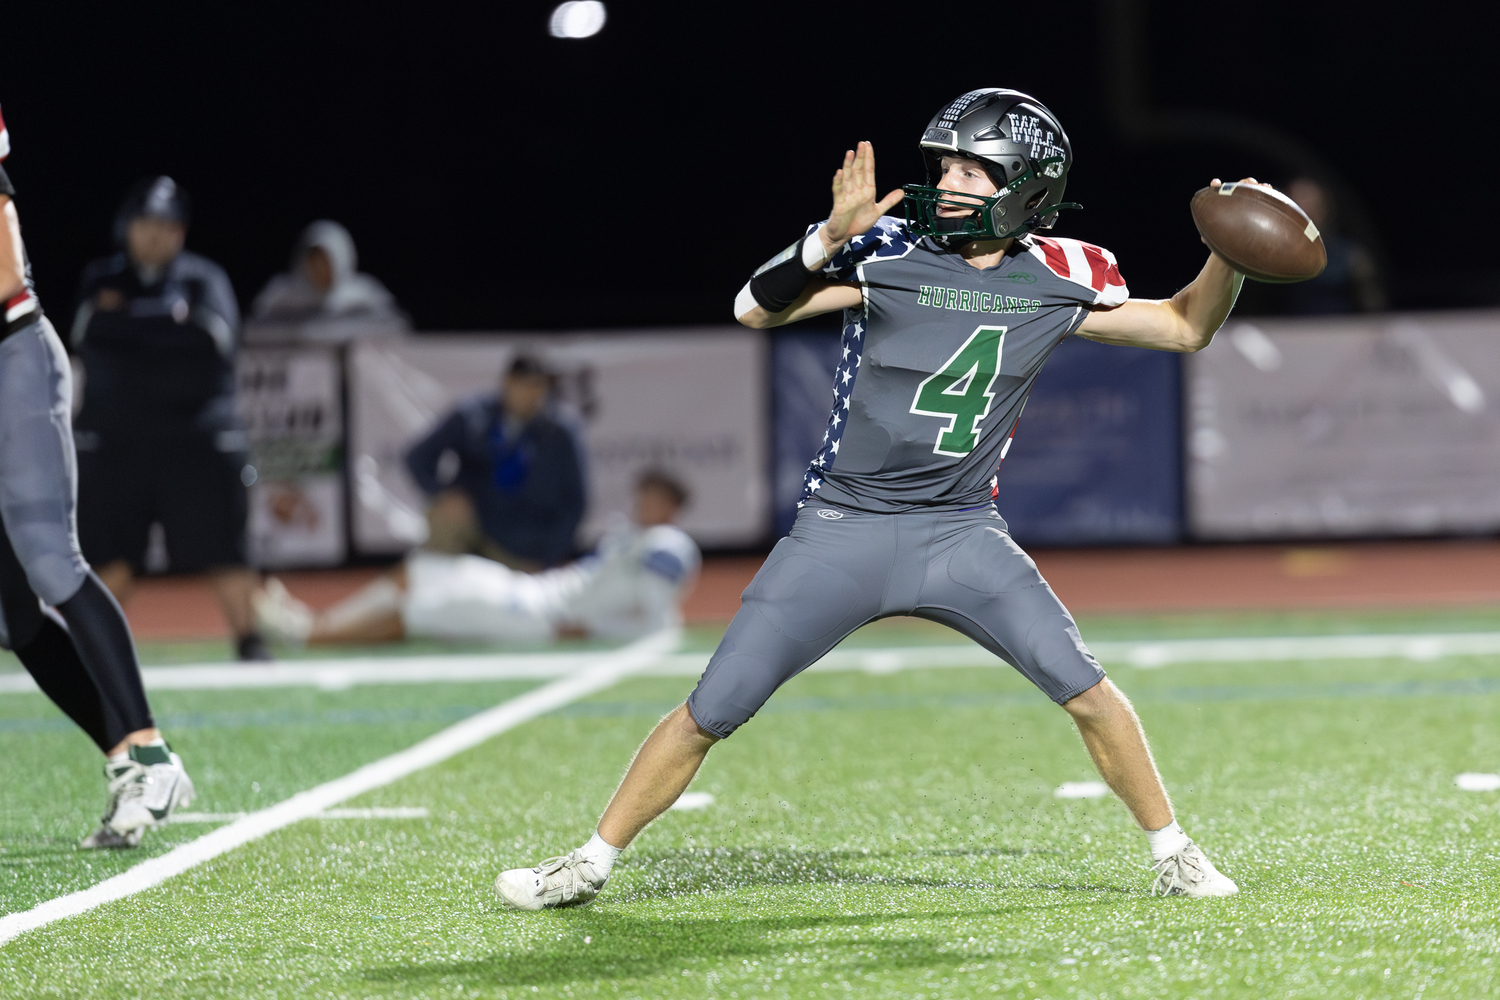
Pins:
x: 324, y: 284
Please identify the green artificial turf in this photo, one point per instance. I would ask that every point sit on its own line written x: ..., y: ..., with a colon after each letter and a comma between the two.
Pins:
x: 890, y: 836
x: 245, y: 750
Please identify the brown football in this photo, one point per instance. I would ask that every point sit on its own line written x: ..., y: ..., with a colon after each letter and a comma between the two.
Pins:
x: 1260, y: 232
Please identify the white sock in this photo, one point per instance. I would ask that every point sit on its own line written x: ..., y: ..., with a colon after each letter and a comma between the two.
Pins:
x: 118, y: 758
x: 381, y: 597
x: 1167, y: 841
x: 600, y: 853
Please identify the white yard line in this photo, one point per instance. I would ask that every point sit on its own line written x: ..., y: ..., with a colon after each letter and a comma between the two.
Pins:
x: 334, y: 675
x: 606, y: 668
x: 340, y: 674
x: 377, y: 812
x: 344, y: 673
x: 1416, y: 646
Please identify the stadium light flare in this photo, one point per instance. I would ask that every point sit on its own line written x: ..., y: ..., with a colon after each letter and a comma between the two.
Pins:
x: 577, y: 19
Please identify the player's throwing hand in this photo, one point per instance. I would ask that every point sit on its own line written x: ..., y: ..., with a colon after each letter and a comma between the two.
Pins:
x: 855, y: 209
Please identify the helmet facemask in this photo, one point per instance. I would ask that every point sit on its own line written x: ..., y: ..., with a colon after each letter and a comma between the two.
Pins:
x: 988, y: 215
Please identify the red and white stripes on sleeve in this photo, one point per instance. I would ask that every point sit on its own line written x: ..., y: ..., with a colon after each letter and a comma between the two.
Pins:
x: 1084, y: 264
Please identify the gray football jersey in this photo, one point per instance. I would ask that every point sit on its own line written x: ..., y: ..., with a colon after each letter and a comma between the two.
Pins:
x: 938, y: 361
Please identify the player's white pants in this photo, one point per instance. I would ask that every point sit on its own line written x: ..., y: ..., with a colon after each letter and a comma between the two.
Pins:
x: 470, y: 597
x: 38, y: 466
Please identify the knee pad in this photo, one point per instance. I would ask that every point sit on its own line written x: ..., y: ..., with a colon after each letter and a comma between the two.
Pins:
x: 55, y: 567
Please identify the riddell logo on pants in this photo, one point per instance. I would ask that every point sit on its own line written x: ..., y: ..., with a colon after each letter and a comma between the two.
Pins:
x: 831, y: 515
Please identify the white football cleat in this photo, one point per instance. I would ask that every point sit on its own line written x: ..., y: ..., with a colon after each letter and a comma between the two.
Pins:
x: 147, y: 794
x: 564, y: 881
x: 1189, y: 873
x: 118, y: 775
x: 280, y: 615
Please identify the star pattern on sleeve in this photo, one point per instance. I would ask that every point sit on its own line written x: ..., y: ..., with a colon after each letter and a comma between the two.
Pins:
x: 851, y: 353
x: 887, y: 239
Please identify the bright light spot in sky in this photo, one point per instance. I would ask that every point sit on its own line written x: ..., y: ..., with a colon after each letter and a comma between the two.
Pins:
x: 577, y: 19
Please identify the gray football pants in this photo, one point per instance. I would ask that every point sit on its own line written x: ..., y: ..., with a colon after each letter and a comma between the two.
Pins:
x: 38, y: 467
x: 838, y: 570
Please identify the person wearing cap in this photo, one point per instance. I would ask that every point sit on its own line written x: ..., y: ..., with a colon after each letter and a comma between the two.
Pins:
x: 159, y: 440
x: 505, y: 475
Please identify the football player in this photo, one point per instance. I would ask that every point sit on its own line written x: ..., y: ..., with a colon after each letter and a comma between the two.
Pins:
x: 633, y: 585
x: 948, y: 316
x: 78, y: 646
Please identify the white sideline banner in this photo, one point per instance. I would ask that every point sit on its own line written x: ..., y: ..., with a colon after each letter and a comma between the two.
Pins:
x: 1345, y: 427
x: 692, y: 402
x: 289, y: 398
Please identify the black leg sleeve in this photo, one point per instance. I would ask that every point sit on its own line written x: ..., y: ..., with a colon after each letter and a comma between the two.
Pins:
x: 53, y: 662
x: 47, y: 652
x: 103, y: 640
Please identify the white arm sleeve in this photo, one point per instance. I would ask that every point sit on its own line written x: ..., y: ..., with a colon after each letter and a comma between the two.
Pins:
x: 744, y: 302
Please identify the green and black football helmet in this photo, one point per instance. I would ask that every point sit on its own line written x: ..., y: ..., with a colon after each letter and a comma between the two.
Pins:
x: 1024, y: 150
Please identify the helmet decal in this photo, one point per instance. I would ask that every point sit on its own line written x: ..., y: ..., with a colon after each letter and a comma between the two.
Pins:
x: 1028, y: 130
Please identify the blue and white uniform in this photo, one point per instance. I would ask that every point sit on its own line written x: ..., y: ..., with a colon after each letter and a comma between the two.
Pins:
x: 633, y: 585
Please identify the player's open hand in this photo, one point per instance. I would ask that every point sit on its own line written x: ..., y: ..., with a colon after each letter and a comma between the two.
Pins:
x: 855, y: 209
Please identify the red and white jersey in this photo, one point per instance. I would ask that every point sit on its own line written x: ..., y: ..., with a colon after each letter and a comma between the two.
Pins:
x: 1088, y: 265
x: 21, y: 309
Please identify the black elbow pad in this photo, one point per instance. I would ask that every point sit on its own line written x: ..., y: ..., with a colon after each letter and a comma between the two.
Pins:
x: 777, y: 283
x: 5, y: 185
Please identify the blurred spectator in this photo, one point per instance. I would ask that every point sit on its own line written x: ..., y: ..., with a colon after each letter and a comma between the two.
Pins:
x: 506, y: 478
x: 1349, y: 283
x: 159, y: 440
x: 633, y: 585
x: 323, y: 285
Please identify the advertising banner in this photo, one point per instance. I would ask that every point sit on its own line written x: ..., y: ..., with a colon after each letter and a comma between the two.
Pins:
x: 1097, y: 453
x: 290, y: 400
x: 690, y: 402
x: 1346, y: 427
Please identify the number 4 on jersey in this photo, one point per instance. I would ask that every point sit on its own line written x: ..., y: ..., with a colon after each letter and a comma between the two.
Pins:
x: 962, y: 391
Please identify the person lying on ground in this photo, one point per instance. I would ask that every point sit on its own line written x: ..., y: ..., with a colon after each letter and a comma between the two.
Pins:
x: 633, y: 585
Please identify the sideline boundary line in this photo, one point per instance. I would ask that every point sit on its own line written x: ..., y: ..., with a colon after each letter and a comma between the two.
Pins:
x: 337, y: 675
x: 607, y: 668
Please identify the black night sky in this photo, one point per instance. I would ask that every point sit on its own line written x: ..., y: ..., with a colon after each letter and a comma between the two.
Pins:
x: 497, y: 178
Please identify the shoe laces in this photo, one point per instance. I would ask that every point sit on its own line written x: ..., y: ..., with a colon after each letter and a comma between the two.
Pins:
x: 566, y: 874
x: 1177, y: 872
x: 124, y: 783
x: 126, y: 776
